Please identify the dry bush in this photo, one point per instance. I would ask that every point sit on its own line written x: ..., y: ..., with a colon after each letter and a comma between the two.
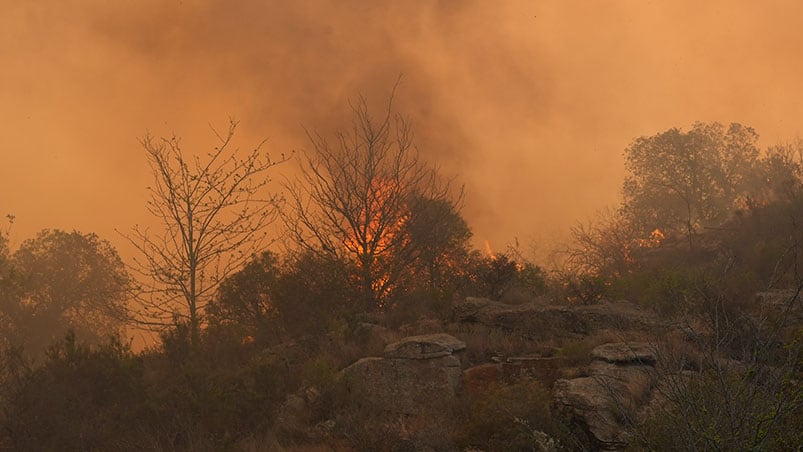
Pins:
x: 508, y: 418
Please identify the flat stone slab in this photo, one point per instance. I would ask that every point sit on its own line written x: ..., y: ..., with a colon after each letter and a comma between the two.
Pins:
x: 427, y: 346
x: 626, y: 353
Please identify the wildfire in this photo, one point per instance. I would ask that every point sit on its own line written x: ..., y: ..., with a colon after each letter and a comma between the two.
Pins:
x: 488, y: 250
x: 654, y: 241
x: 378, y: 231
x: 377, y: 227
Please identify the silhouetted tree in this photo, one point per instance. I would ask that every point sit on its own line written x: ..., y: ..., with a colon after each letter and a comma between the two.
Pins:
x: 9, y: 295
x: 247, y: 297
x: 214, y: 213
x: 356, y: 194
x: 62, y: 281
x: 440, y: 240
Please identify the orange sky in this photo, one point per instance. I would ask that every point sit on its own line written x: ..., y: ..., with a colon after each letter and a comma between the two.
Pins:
x: 529, y: 103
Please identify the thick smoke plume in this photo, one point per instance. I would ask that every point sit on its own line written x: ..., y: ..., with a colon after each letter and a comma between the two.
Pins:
x: 528, y: 103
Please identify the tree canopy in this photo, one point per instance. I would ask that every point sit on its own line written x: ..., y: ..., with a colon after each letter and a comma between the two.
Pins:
x: 681, y: 182
x: 60, y: 281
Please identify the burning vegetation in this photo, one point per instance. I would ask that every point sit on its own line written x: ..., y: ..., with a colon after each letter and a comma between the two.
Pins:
x: 375, y: 245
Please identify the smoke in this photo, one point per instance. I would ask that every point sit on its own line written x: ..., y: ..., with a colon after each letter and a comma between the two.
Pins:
x: 529, y: 104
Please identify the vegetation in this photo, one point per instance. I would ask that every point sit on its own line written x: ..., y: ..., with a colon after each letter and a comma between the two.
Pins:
x: 61, y: 281
x: 214, y: 213
x: 377, y: 249
x: 367, y: 198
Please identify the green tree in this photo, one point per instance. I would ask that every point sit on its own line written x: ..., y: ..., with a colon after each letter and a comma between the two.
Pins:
x: 681, y: 182
x: 247, y: 297
x: 303, y: 294
x: 62, y: 281
x: 314, y: 291
x: 214, y: 214
x: 439, y: 238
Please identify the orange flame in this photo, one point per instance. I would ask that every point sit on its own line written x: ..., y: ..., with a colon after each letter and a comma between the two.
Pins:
x: 376, y: 233
x: 654, y: 241
x: 373, y: 234
x: 488, y: 250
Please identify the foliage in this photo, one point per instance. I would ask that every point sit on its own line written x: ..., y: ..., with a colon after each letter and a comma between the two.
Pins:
x: 214, y: 215
x: 603, y: 246
x: 681, y: 182
x: 62, y: 281
x: 213, y: 396
x: 103, y: 397
x: 304, y: 295
x: 439, y: 237
x: 247, y: 297
x: 316, y: 292
x: 503, y: 277
x: 81, y: 398
x: 755, y: 403
x: 9, y: 292
x: 509, y: 417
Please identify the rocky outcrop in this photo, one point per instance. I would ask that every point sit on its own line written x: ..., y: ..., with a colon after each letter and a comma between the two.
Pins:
x: 542, y: 321
x: 294, y: 416
x: 625, y: 353
x: 428, y: 346
x: 606, y: 401
x: 411, y: 386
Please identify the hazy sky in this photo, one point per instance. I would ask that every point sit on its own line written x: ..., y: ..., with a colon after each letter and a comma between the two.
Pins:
x: 528, y: 103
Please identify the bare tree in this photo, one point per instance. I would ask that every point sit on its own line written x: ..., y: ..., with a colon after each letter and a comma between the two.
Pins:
x: 214, y: 215
x: 354, y: 197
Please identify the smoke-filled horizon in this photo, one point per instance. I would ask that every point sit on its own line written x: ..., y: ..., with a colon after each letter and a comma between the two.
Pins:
x: 529, y: 104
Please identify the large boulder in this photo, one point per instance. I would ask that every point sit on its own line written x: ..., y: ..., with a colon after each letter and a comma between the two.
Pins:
x: 409, y: 391
x: 403, y: 386
x: 428, y: 346
x: 626, y: 353
x: 606, y: 402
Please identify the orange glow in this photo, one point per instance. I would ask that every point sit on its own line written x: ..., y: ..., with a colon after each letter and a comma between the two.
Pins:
x: 378, y: 230
x: 82, y: 80
x: 373, y: 234
x: 488, y: 251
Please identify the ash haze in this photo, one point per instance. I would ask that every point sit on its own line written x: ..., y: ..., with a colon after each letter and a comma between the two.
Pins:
x: 528, y: 103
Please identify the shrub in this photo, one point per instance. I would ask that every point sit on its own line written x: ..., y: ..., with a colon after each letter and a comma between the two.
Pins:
x: 727, y: 410
x: 503, y: 277
x: 79, y: 398
x: 583, y: 288
x: 508, y: 417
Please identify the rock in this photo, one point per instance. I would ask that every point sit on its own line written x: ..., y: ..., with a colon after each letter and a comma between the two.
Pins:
x: 424, y: 347
x: 626, y: 353
x: 404, y: 386
x: 585, y: 401
x: 407, y: 392
x: 292, y: 416
x: 619, y: 385
x: 539, y: 321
